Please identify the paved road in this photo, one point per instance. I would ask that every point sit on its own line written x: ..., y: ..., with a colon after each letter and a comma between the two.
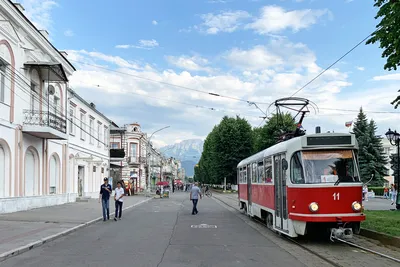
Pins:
x: 159, y: 233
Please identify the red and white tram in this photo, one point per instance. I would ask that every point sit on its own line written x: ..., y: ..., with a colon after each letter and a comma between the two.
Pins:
x: 303, y: 184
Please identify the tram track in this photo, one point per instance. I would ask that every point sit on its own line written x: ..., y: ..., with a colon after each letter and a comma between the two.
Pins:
x: 315, y: 249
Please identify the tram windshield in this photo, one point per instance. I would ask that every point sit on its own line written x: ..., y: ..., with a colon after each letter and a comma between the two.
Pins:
x: 324, y: 166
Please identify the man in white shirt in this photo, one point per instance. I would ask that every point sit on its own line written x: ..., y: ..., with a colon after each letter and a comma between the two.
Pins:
x: 119, y: 200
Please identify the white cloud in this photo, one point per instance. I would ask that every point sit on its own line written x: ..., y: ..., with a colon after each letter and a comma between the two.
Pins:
x: 69, y: 33
x: 39, y: 12
x: 154, y: 22
x: 142, y: 44
x: 123, y: 46
x: 360, y: 68
x: 388, y: 77
x: 153, y: 103
x: 257, y: 58
x: 274, y: 19
x: 194, y: 63
x: 148, y: 43
x: 227, y: 21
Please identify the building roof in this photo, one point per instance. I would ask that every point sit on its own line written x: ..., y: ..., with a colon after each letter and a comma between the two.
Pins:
x: 30, y: 22
x: 87, y: 104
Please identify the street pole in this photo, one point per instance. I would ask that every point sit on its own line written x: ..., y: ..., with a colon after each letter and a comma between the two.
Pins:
x: 394, y: 139
x: 148, y: 159
x: 397, y: 182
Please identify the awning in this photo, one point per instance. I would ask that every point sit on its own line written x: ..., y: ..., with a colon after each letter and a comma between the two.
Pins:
x: 52, y: 72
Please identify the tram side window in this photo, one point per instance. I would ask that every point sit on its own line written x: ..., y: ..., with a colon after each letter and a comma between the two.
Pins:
x: 261, y: 175
x: 239, y: 171
x: 268, y: 170
x: 244, y: 175
x: 297, y: 173
x: 254, y: 173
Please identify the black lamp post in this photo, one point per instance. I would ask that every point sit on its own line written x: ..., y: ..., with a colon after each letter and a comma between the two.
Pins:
x: 394, y: 139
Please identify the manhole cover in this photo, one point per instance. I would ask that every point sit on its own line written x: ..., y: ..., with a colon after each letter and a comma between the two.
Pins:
x: 203, y: 226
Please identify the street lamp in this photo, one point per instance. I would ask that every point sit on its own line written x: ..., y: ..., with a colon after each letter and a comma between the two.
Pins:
x: 394, y: 139
x: 148, y: 158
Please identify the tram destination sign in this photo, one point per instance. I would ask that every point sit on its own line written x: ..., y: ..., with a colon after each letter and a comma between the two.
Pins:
x: 329, y: 140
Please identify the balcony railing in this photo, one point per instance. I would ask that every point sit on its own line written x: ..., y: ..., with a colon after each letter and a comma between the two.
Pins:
x: 44, y: 119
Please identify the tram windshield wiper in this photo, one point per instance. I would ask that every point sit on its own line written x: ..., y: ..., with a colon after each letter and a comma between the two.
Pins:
x: 338, y: 181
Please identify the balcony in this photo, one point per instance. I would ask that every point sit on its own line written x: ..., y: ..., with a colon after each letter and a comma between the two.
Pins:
x: 136, y: 160
x: 44, y: 124
x: 117, y: 154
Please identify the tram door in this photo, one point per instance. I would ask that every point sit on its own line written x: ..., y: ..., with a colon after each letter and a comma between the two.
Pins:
x: 280, y: 168
x: 248, y: 169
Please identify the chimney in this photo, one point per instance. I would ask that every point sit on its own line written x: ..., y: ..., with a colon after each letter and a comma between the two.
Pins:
x: 64, y: 54
x: 92, y: 105
x: 317, y: 129
x: 20, y: 7
x: 45, y: 34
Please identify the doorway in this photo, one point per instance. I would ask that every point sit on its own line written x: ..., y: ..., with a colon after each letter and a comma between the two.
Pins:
x: 81, y: 175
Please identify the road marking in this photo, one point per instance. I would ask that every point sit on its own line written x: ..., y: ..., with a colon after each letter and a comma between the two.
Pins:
x: 203, y: 225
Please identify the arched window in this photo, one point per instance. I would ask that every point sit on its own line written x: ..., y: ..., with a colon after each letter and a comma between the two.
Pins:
x: 30, y: 171
x: 2, y: 172
x: 54, y: 174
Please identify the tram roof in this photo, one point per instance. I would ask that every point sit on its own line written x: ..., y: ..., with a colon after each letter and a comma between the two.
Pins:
x: 281, y: 147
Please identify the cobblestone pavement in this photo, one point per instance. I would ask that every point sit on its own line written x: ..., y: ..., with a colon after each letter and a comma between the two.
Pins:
x: 341, y: 254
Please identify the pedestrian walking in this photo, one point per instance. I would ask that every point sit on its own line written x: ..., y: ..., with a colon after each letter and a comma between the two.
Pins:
x: 195, y: 193
x: 119, y: 200
x: 105, y: 192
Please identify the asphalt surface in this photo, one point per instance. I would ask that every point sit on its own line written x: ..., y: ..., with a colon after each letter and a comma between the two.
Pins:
x: 160, y: 233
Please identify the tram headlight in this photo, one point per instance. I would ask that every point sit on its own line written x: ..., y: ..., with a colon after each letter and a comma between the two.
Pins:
x: 313, y: 207
x: 356, y: 206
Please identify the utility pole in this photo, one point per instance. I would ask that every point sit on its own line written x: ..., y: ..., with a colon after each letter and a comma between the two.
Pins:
x: 148, y: 153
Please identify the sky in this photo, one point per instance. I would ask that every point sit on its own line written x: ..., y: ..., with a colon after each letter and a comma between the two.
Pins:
x: 151, y: 61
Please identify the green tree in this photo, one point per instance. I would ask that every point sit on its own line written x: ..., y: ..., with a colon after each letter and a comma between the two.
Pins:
x: 379, y: 163
x: 371, y: 158
x: 225, y: 146
x: 388, y: 35
x: 388, y: 32
x: 270, y: 132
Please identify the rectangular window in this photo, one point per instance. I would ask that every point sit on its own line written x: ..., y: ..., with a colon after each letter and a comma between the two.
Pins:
x: 82, y: 126
x: 254, y: 173
x: 99, y: 134
x: 106, y: 137
x: 268, y: 170
x: 71, y: 120
x: 2, y: 83
x: 114, y: 145
x: 133, y: 152
x: 261, y: 175
x: 33, y: 95
x: 91, y: 131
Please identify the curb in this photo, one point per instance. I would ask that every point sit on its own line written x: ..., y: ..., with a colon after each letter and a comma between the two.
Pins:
x: 383, y: 238
x: 25, y: 248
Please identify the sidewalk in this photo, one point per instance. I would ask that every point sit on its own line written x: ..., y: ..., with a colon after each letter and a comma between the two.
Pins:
x: 24, y: 230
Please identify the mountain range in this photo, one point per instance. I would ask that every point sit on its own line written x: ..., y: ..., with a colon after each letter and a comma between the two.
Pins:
x: 187, y: 151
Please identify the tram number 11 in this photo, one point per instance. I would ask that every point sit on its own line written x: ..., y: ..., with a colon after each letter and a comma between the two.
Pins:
x: 336, y: 196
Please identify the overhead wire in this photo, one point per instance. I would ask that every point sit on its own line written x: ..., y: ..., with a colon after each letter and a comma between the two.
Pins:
x: 331, y: 65
x: 168, y: 84
x: 189, y: 104
x: 36, y: 97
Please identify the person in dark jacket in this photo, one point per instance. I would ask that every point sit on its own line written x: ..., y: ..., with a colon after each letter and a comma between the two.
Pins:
x: 105, y: 192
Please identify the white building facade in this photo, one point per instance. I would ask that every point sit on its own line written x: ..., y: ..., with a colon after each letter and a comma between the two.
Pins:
x: 33, y: 111
x: 88, y: 147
